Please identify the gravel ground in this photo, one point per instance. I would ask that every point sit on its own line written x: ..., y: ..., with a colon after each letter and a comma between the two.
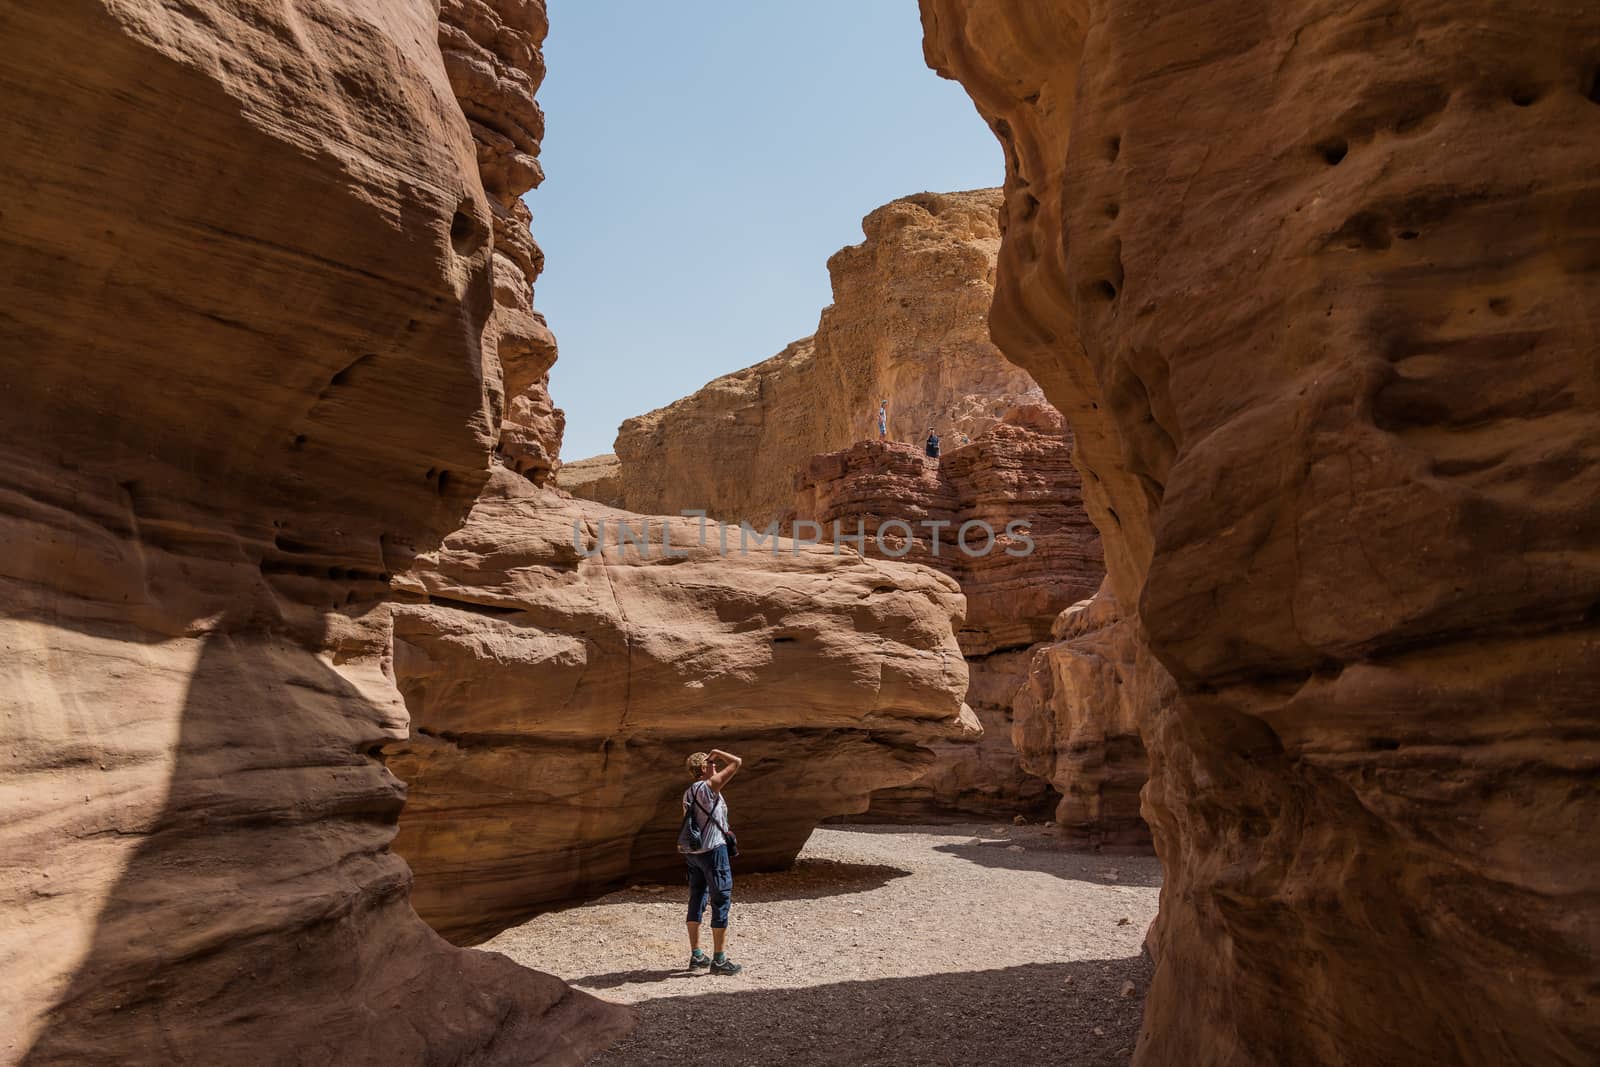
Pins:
x: 883, y: 945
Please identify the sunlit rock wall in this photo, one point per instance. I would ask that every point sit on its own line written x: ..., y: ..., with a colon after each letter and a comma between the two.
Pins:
x: 1311, y: 282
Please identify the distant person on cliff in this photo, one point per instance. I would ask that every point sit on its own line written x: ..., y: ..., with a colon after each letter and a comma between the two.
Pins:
x: 932, y: 445
x: 883, y: 419
x: 708, y: 846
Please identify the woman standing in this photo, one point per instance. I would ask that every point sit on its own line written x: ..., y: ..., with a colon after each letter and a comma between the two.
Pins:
x: 710, y: 872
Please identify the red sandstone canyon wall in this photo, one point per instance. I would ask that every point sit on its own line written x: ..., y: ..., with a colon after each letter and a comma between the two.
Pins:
x: 252, y: 256
x: 1017, y: 479
x: 1311, y: 283
x: 908, y: 324
x: 1077, y: 719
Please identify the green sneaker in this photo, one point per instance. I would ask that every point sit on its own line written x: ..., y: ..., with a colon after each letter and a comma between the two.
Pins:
x: 725, y: 966
x: 699, y: 961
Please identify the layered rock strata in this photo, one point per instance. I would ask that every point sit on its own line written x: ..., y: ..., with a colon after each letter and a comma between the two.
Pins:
x: 249, y: 355
x: 1077, y: 716
x: 1321, y: 330
x: 908, y: 325
x: 562, y: 658
x: 1002, y: 516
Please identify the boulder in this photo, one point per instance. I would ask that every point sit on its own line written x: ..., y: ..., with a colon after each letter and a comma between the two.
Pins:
x: 561, y: 659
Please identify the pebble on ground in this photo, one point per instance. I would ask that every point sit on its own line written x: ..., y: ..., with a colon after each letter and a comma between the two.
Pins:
x: 883, y: 945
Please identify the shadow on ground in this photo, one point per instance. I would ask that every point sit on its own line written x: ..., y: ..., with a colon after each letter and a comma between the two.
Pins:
x: 814, y: 879
x: 1067, y: 1013
x: 1077, y: 866
x: 622, y: 978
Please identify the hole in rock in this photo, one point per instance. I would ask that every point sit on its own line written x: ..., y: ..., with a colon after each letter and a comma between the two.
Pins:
x: 1333, y: 152
x: 1113, y: 149
x: 1105, y: 290
x: 444, y: 481
x: 1113, y: 210
x: 1408, y: 235
x: 345, y: 376
x: 466, y: 233
x: 299, y: 440
x: 1591, y: 90
x: 1523, y: 97
x: 1365, y: 229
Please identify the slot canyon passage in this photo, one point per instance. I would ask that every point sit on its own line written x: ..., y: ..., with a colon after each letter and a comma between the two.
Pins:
x: 1279, y: 341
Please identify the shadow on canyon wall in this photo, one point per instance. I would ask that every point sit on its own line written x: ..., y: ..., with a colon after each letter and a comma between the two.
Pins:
x: 266, y: 882
x: 249, y: 780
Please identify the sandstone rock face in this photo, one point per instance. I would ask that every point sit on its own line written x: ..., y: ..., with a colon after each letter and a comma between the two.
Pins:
x: 1322, y: 332
x: 247, y: 348
x: 597, y: 478
x: 729, y: 449
x: 558, y: 673
x: 1077, y: 719
x: 908, y: 324
x: 1017, y: 481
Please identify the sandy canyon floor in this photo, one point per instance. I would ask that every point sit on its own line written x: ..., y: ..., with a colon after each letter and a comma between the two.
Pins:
x: 884, y: 945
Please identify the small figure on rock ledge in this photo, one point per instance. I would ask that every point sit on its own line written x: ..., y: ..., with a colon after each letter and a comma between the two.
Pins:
x: 932, y: 445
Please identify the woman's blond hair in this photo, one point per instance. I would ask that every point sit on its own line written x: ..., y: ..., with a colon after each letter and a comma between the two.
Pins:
x: 697, y: 763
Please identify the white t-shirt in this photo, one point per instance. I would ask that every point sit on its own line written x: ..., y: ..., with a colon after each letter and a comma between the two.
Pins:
x: 710, y: 815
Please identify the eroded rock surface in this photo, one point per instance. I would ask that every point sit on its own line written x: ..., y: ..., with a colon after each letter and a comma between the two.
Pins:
x: 908, y: 324
x: 1017, y: 481
x: 596, y: 478
x: 556, y: 683
x: 1077, y: 718
x: 1322, y: 332
x: 248, y: 268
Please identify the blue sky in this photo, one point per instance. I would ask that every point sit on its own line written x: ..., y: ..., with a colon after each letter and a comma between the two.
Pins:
x: 702, y: 162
